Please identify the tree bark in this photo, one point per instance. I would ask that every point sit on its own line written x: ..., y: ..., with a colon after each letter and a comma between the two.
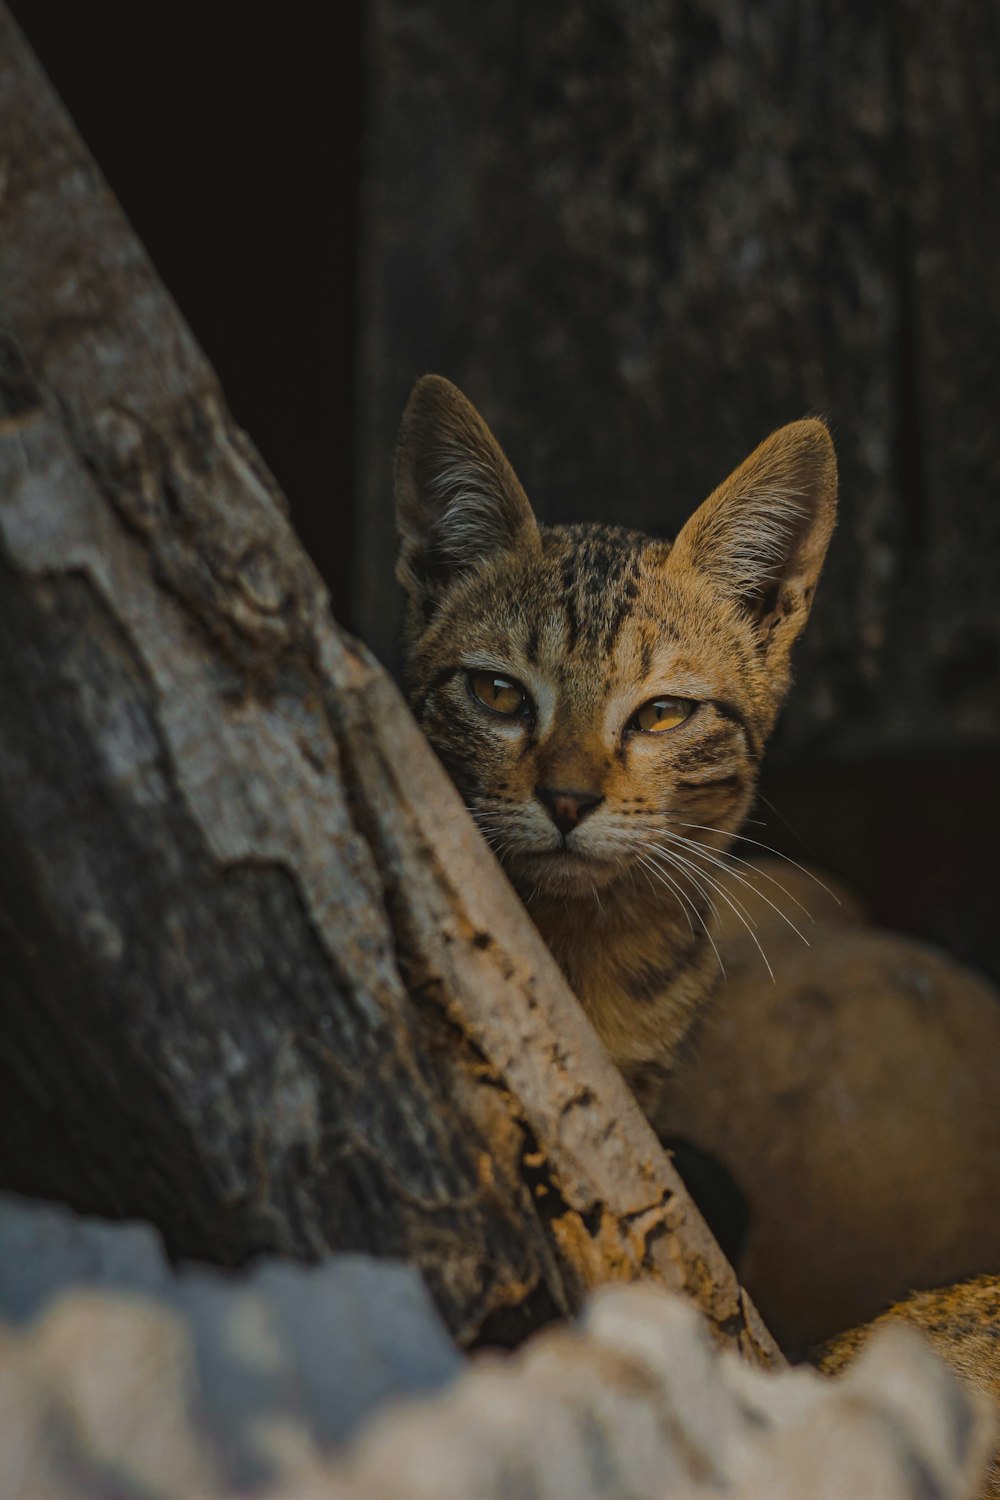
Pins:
x: 261, y: 982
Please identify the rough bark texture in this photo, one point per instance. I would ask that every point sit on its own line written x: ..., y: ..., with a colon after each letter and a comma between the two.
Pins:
x: 260, y: 981
x: 642, y: 235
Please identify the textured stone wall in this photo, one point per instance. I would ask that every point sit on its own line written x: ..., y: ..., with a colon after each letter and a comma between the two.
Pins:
x: 642, y: 235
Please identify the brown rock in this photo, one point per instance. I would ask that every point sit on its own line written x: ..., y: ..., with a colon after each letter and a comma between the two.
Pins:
x: 854, y: 1101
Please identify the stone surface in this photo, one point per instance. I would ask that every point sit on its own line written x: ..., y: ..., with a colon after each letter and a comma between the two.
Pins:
x: 636, y: 1402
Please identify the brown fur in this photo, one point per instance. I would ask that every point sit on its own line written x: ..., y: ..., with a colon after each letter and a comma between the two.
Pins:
x: 962, y: 1323
x: 594, y: 622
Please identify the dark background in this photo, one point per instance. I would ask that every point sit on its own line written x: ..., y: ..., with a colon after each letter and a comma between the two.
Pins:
x: 640, y: 236
x: 233, y: 140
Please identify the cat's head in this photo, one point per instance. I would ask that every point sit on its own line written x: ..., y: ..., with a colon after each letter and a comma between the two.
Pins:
x: 592, y: 690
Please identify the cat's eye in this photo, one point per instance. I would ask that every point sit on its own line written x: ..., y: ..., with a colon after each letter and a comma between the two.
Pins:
x: 498, y: 693
x: 661, y: 713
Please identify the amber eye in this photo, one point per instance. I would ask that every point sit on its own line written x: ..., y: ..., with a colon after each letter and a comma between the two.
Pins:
x: 498, y: 693
x: 661, y: 713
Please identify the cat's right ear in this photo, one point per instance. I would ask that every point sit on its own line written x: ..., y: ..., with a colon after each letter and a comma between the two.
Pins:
x: 761, y: 537
x: 458, y: 501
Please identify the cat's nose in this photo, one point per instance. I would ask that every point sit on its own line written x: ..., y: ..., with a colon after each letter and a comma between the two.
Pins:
x: 566, y: 809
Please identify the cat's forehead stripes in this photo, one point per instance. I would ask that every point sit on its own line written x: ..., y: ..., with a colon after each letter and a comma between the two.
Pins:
x: 597, y: 581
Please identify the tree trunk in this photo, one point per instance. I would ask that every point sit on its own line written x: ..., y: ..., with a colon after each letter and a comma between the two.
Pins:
x: 261, y: 982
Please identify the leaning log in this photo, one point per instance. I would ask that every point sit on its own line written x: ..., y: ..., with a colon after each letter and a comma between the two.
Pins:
x: 260, y: 981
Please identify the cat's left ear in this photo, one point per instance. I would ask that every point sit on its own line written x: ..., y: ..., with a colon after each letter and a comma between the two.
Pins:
x: 761, y: 537
x: 458, y: 501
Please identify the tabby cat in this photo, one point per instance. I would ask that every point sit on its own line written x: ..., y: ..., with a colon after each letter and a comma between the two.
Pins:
x: 601, y: 699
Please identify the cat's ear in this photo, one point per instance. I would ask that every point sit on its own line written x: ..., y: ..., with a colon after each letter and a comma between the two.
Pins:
x: 458, y: 501
x: 761, y: 537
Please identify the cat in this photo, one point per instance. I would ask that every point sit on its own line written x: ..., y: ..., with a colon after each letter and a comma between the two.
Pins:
x: 601, y: 698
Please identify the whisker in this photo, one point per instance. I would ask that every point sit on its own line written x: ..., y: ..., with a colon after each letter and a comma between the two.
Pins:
x: 748, y: 924
x: 713, y: 857
x: 494, y: 841
x: 647, y: 866
x: 764, y: 874
x: 685, y: 900
x: 669, y: 879
x: 704, y: 873
x: 779, y: 815
x: 675, y: 864
x: 745, y: 839
x: 640, y: 862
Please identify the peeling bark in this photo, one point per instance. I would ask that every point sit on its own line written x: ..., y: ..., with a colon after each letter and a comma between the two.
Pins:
x: 260, y: 980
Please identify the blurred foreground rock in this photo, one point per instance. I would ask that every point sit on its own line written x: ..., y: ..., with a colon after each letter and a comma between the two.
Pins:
x: 202, y: 1363
x: 854, y: 1103
x: 104, y: 1397
x: 636, y: 1402
x: 961, y: 1321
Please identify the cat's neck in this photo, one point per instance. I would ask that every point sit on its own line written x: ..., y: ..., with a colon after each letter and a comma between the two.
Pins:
x: 637, y: 954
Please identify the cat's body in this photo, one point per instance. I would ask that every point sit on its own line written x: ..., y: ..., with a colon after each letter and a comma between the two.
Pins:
x: 601, y: 698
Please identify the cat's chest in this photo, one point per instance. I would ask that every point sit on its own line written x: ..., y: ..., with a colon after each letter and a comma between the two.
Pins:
x: 639, y: 979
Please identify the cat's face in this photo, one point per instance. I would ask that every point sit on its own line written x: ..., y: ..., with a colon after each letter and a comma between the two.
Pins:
x: 597, y: 696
